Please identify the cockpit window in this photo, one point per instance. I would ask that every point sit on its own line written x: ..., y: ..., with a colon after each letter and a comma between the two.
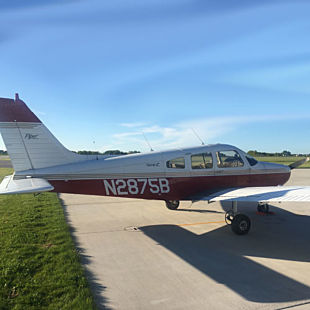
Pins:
x: 202, y: 161
x: 177, y: 163
x: 252, y: 161
x: 229, y: 159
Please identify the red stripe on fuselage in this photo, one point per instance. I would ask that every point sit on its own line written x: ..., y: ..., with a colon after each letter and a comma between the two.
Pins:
x: 180, y: 188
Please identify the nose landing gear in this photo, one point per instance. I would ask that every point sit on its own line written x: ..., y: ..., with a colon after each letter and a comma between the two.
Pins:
x: 172, y: 204
x: 263, y: 209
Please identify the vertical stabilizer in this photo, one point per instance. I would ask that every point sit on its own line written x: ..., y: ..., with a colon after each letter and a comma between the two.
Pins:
x: 29, y: 143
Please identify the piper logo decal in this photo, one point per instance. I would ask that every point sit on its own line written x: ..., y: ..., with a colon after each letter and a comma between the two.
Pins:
x: 30, y: 136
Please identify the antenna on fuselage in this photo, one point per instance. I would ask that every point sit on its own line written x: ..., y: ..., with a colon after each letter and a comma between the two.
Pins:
x: 147, y: 141
x: 196, y: 134
x: 95, y: 147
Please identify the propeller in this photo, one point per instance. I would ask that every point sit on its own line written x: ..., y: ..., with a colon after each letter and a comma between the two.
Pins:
x: 299, y: 163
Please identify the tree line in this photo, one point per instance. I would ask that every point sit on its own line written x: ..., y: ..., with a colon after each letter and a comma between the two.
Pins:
x: 118, y: 152
x: 108, y: 152
x: 282, y: 154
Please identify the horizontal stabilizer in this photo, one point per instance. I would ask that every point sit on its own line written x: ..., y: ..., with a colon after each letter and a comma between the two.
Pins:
x: 24, y: 186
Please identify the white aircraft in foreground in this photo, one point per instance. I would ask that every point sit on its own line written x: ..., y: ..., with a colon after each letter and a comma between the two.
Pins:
x: 212, y: 172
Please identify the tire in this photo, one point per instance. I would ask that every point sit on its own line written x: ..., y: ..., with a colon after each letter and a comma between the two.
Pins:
x: 263, y: 208
x: 241, y: 224
x: 172, y: 204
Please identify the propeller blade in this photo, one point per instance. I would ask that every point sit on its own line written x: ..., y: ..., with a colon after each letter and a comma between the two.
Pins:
x: 298, y: 163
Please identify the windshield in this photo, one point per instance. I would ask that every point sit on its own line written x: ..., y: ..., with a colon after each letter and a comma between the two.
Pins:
x: 252, y: 161
x: 229, y: 159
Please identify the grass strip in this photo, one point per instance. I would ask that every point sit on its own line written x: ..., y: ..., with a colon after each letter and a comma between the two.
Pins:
x: 39, y: 265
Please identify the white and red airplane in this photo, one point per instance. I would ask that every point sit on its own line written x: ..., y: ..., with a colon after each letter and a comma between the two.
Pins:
x: 212, y: 172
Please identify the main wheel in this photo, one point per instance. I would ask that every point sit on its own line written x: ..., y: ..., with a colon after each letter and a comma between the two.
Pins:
x: 172, y: 204
x: 241, y: 224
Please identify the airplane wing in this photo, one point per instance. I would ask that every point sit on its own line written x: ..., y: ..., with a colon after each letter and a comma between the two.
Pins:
x: 23, y: 186
x: 262, y: 194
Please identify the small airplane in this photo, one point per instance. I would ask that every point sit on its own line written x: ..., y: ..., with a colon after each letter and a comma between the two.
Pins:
x: 216, y: 172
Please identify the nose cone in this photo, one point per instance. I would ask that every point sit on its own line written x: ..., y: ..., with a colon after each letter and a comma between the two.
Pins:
x: 270, y: 174
x: 277, y: 168
x: 276, y: 173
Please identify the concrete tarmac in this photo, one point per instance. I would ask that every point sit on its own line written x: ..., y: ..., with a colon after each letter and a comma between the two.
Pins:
x: 139, y: 255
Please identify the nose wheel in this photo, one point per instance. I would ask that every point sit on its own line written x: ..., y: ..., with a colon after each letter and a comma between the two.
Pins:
x: 263, y: 209
x: 172, y: 204
x: 240, y: 223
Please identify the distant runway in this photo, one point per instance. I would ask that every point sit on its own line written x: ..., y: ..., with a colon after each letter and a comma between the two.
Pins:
x: 140, y: 255
x: 5, y: 163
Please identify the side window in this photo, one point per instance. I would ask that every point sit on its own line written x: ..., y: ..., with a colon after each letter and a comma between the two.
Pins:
x: 177, y: 163
x: 229, y: 159
x: 202, y: 161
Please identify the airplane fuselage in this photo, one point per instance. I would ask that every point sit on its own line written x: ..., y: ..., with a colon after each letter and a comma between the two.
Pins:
x: 182, y: 174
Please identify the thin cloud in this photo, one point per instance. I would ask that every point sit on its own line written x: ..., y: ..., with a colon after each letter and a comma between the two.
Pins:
x: 133, y: 125
x: 127, y: 134
x: 208, y: 129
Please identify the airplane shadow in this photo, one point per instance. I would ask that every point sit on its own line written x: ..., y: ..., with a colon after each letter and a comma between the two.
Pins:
x: 200, y: 211
x: 221, y: 255
x: 96, y: 288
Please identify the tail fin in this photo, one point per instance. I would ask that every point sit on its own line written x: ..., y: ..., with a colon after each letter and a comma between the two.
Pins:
x: 29, y: 143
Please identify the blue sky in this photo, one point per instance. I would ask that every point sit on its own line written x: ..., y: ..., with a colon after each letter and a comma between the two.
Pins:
x: 99, y: 73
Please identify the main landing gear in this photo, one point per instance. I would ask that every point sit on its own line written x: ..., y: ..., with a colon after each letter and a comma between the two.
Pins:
x: 172, y: 204
x: 240, y: 223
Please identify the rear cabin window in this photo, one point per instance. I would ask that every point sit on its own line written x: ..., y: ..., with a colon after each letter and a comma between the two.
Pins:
x: 202, y: 161
x: 229, y: 159
x: 176, y: 163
